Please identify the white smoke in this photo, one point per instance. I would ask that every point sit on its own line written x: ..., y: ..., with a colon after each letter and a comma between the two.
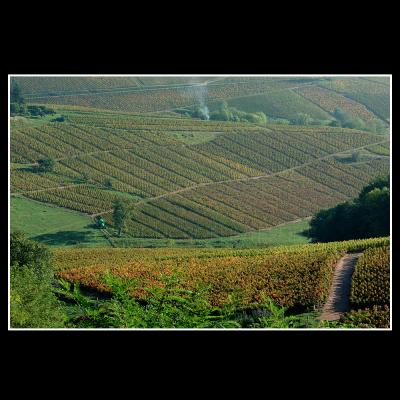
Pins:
x: 199, y: 93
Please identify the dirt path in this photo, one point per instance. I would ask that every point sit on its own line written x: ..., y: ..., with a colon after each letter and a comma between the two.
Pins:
x: 339, y: 297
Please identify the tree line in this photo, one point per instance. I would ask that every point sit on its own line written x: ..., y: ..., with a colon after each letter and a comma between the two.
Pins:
x: 364, y: 217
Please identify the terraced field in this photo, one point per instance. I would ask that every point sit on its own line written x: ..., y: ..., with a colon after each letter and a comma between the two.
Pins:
x: 240, y: 178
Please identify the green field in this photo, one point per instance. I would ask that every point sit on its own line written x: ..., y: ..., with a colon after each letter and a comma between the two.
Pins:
x: 53, y: 226
x: 279, y: 104
x: 59, y: 227
x: 288, y: 234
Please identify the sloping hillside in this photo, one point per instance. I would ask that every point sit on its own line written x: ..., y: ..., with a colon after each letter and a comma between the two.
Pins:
x: 242, y: 177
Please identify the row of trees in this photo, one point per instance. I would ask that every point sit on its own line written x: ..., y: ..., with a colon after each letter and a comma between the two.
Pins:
x: 342, y: 118
x: 365, y: 217
x: 19, y: 107
x: 225, y: 113
x: 345, y: 120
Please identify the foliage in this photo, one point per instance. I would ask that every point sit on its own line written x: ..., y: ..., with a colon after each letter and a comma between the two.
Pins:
x: 16, y: 94
x: 61, y: 118
x: 25, y: 252
x: 36, y: 110
x: 121, y: 213
x: 171, y: 307
x: 46, y: 165
x: 225, y: 113
x: 366, y: 216
x: 167, y: 307
x: 371, y: 279
x: 32, y: 302
x: 348, y: 121
x: 18, y: 109
x: 374, y: 317
x: 292, y: 280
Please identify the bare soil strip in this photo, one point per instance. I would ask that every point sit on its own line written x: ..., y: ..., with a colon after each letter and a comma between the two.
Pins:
x: 339, y: 297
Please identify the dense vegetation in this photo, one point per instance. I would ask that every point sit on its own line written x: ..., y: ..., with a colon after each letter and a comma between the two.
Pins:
x: 291, y: 275
x: 371, y: 279
x: 32, y: 301
x: 172, y: 288
x: 366, y: 216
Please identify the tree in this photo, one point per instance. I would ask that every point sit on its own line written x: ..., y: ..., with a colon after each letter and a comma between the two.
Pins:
x: 367, y: 216
x: 15, y: 93
x: 355, y: 156
x: 46, y: 165
x: 108, y: 183
x: 26, y: 252
x: 121, y: 213
x: 302, y: 119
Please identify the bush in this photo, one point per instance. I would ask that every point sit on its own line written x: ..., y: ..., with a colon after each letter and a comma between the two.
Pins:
x: 375, y: 317
x: 170, y: 306
x: 164, y: 307
x: 32, y: 301
x: 18, y: 109
x: 25, y: 252
x: 46, y: 165
x: 59, y: 119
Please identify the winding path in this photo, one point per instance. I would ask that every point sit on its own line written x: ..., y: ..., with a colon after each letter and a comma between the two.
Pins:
x: 339, y: 297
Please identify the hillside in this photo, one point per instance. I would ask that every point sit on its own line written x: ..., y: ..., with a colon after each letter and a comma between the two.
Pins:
x: 364, y: 97
x: 204, y: 202
x: 189, y: 178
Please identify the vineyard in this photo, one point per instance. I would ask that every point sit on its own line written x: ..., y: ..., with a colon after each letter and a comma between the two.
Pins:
x: 278, y: 97
x: 240, y: 177
x: 197, y: 201
x: 294, y: 276
x: 375, y: 96
x: 371, y: 279
x: 329, y: 101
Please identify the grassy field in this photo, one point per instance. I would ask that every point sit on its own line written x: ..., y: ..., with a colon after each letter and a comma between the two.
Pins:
x: 288, y: 234
x: 59, y: 227
x: 53, y: 226
x: 279, y: 104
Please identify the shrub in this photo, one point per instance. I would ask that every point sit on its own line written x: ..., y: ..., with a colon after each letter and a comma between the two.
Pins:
x: 59, y: 119
x: 375, y: 317
x: 32, y: 301
x: 46, y: 165
x: 25, y: 252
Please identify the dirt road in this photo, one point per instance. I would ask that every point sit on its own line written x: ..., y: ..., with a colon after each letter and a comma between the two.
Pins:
x: 339, y: 297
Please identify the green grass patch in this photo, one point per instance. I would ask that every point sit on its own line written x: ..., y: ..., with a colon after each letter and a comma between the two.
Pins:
x: 288, y: 234
x: 54, y: 226
x: 192, y: 137
x: 277, y: 104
